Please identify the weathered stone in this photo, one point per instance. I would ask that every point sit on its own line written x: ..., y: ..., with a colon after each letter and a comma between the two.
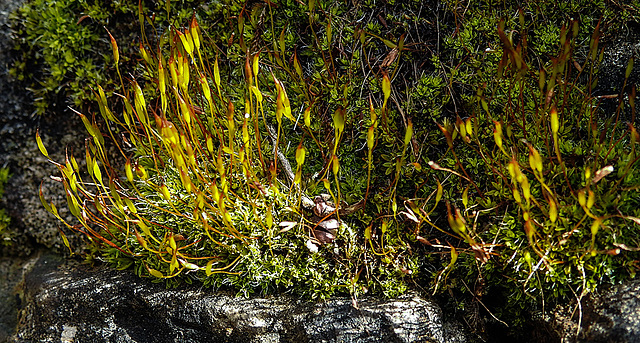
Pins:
x: 73, y: 303
x: 12, y: 271
x: 612, y: 316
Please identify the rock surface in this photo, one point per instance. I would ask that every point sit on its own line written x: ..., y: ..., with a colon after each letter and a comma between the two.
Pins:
x: 12, y: 271
x: 612, y: 316
x: 71, y: 303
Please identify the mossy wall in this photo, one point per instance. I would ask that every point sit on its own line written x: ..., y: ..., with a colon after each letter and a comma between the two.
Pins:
x: 469, y: 146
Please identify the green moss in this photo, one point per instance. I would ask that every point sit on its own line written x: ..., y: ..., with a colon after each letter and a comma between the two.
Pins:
x: 454, y: 202
x: 581, y: 250
x: 62, y: 52
x: 5, y: 235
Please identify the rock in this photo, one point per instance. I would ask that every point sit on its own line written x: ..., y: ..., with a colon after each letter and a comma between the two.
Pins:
x: 74, y: 303
x: 619, y: 48
x: 612, y: 316
x: 12, y: 271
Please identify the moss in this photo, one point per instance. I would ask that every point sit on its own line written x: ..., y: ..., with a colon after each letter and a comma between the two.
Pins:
x: 62, y: 52
x: 5, y: 234
x: 442, y: 131
x: 580, y: 250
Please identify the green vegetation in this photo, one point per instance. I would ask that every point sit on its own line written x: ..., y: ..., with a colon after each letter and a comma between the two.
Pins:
x: 62, y: 50
x: 5, y: 236
x: 323, y: 147
x: 560, y: 191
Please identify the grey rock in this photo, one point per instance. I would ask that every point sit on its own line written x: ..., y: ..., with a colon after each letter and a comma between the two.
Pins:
x: 12, y: 271
x: 612, y: 316
x: 619, y: 48
x: 66, y: 302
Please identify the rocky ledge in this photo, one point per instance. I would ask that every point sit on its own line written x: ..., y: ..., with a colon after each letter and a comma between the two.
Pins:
x: 613, y: 316
x: 66, y: 302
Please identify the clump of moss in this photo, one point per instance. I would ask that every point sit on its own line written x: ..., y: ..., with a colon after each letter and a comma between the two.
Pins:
x: 490, y: 159
x: 202, y: 198
x: 5, y: 235
x: 359, y: 259
x: 542, y: 165
x: 62, y: 53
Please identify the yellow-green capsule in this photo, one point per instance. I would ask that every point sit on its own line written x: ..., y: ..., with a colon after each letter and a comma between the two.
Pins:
x: 215, y: 193
x: 555, y: 124
x: 469, y: 126
x: 255, y: 64
x: 128, y: 171
x: 155, y: 273
x: 516, y: 195
x: 553, y: 211
x: 43, y: 150
x: 141, y: 172
x: 130, y: 205
x: 140, y: 239
x: 526, y: 190
x: 497, y: 134
x: 591, y: 199
x: 409, y: 133
x: 439, y: 192
x: 205, y: 87
x: 335, y: 164
x: 210, y: 144
x: 97, y: 173
x: 370, y: 137
x: 372, y: 113
x: 186, y: 181
x: 172, y: 242
x: 587, y: 175
x: 145, y: 54
x: 535, y: 160
x: 216, y: 74
x: 296, y: 64
x: 582, y: 199
x: 114, y: 48
x: 184, y: 109
x: 173, y: 71
x: 300, y: 154
x: 195, y: 32
x: 165, y: 192
x: 307, y: 117
x: 386, y: 86
x: 465, y: 197
x: 269, y: 217
x: 460, y: 222
x: 187, y: 42
x: 462, y: 128
x: 245, y: 132
x: 595, y: 227
x: 338, y: 119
